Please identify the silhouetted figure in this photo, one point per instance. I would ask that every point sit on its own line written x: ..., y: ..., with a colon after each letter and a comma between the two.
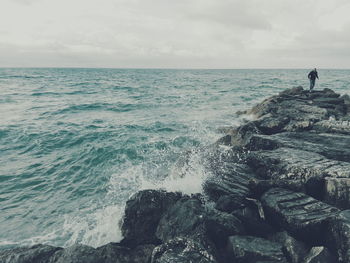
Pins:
x: 312, y: 77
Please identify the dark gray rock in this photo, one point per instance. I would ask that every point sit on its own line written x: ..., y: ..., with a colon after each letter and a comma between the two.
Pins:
x: 77, y: 254
x: 319, y: 255
x: 333, y: 126
x: 288, y: 163
x: 337, y: 192
x: 34, y: 254
x: 190, y: 218
x: 241, y: 134
x: 229, y: 203
x: 219, y: 226
x: 302, y: 216
x: 339, y: 236
x: 258, y: 187
x: 301, y: 105
x: 291, y: 110
x: 247, y: 249
x: 225, y: 140
x: 110, y: 253
x: 182, y: 250
x: 115, y: 253
x: 294, y: 250
x: 142, y: 214
x: 229, y: 179
x: 346, y: 99
x: 141, y: 254
x: 269, y: 124
x: 331, y: 146
x: 185, y: 218
x: 253, y: 223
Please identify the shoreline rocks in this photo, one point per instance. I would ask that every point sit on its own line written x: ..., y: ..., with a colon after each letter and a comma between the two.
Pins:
x: 279, y: 194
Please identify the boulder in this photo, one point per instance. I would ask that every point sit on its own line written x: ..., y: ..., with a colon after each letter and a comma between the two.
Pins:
x: 34, y: 254
x: 339, y: 236
x: 225, y: 140
x: 331, y: 146
x: 241, y: 134
x: 229, y: 179
x: 181, y: 250
x: 294, y: 250
x: 77, y: 254
x: 109, y: 253
x: 292, y: 110
x: 115, y: 253
x: 319, y: 255
x: 346, y: 99
x: 269, y: 124
x: 337, y: 192
x: 258, y: 187
x: 333, y: 126
x: 254, y: 224
x: 248, y: 249
x: 190, y: 218
x: 219, y: 226
x: 184, y: 218
x: 289, y: 163
x: 228, y: 203
x: 142, y: 214
x: 302, y: 216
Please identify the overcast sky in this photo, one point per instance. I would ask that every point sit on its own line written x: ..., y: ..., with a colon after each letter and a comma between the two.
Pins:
x: 175, y: 33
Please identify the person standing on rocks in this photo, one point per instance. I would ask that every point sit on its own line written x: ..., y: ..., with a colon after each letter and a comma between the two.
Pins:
x: 312, y: 77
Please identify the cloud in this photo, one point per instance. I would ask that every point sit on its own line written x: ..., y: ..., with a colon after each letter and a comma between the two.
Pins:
x: 182, y: 33
x: 230, y: 13
x: 25, y: 2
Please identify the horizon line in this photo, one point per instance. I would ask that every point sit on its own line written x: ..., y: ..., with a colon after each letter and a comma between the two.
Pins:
x: 169, y: 68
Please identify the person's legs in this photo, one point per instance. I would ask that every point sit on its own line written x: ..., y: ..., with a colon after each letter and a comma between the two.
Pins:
x: 312, y: 84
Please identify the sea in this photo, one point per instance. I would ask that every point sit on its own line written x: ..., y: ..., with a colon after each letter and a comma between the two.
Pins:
x: 75, y: 143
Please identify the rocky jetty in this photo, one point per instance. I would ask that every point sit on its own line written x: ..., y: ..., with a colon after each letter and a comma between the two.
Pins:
x: 278, y: 192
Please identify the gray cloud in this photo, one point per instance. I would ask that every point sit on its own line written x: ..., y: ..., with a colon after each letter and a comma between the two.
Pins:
x: 26, y: 2
x: 183, y: 33
x: 231, y: 13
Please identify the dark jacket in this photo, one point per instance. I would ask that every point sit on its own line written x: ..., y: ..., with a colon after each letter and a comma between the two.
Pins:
x: 313, y: 75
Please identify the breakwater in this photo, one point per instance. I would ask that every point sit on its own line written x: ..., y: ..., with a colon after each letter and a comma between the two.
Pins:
x: 279, y: 193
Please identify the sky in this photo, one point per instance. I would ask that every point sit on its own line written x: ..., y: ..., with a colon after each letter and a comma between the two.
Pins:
x: 175, y: 33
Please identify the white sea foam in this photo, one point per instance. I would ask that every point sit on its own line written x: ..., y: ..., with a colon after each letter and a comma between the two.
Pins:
x: 48, y: 238
x: 101, y: 226
x: 187, y: 179
x: 95, y: 229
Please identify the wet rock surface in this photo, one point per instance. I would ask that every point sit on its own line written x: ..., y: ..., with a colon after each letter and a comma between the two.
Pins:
x: 301, y: 215
x: 110, y: 253
x: 294, y: 250
x: 252, y: 249
x: 319, y: 255
x: 142, y: 214
x: 277, y: 193
x: 337, y: 191
x: 339, y: 236
x: 181, y: 250
x: 35, y: 254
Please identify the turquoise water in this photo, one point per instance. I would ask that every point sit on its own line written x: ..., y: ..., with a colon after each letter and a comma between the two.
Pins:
x: 76, y: 143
